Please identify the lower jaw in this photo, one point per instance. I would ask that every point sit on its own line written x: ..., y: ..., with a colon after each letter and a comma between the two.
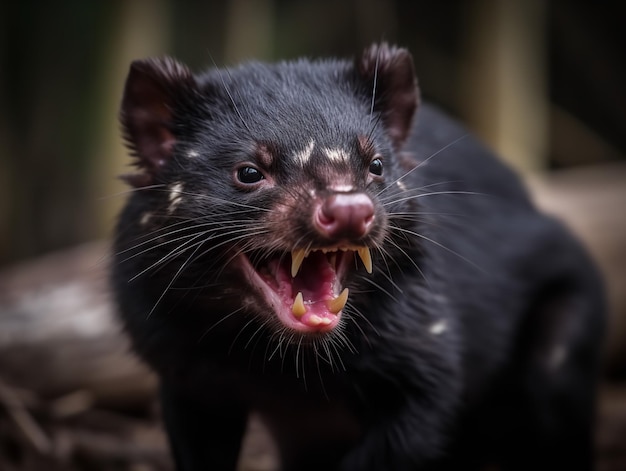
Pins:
x: 289, y: 310
x: 277, y: 310
x: 308, y: 323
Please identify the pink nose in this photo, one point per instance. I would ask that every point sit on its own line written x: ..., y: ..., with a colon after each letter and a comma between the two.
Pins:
x: 344, y: 216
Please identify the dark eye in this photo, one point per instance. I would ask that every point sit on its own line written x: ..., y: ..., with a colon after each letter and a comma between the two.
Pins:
x: 249, y: 175
x: 376, y: 167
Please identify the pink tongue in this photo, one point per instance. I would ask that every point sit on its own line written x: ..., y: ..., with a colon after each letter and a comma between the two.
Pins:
x: 315, y: 280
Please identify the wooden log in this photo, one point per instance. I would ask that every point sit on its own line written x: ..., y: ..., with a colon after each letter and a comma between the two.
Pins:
x: 58, y: 331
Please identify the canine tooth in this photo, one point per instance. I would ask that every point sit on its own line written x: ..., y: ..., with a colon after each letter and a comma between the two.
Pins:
x: 337, y: 304
x: 296, y: 260
x: 298, y: 309
x: 366, y: 258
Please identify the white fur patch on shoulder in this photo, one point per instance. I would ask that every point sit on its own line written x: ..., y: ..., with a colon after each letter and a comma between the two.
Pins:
x: 337, y: 155
x: 175, y: 196
x: 145, y: 218
x: 303, y: 156
x: 438, y: 327
x: 557, y: 357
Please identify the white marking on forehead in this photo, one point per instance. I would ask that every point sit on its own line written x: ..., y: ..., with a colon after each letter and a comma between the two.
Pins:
x: 175, y: 196
x: 337, y: 155
x: 303, y: 156
x: 438, y: 327
x: 192, y: 154
x: 342, y: 188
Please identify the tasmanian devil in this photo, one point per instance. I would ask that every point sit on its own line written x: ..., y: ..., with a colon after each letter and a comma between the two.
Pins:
x: 304, y: 243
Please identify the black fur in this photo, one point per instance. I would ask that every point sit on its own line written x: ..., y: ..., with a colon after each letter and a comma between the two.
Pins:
x: 474, y: 342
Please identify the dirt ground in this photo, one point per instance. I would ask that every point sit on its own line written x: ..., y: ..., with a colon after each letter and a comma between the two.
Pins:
x: 69, y: 434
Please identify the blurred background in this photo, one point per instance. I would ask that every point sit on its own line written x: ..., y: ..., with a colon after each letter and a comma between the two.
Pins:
x: 542, y: 82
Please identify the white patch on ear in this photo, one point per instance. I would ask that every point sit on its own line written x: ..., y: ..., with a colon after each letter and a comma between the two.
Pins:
x: 438, y: 327
x: 192, y: 154
x: 175, y: 196
x: 303, y: 156
x: 337, y: 155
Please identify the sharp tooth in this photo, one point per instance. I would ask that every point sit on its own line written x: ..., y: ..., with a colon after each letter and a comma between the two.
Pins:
x: 298, y: 309
x: 337, y: 304
x: 366, y: 258
x: 296, y: 260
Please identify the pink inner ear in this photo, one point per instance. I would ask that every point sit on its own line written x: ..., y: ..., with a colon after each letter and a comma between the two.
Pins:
x: 396, y: 94
x: 153, y: 90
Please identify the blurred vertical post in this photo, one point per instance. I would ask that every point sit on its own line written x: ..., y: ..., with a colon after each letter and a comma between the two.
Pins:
x: 505, y: 86
x: 250, y: 30
x: 141, y: 29
x: 5, y: 181
x: 375, y: 16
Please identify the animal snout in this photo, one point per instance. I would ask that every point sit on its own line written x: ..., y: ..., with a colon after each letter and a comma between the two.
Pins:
x: 344, y: 216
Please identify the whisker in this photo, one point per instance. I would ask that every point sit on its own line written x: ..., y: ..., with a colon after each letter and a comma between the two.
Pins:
x: 333, y: 342
x: 174, y: 278
x: 379, y: 287
x: 434, y: 193
x: 128, y: 191
x: 179, y: 250
x: 297, y: 363
x: 423, y: 162
x: 259, y: 329
x: 407, y: 256
x: 230, y: 96
x: 354, y: 312
x: 374, y: 84
x: 230, y: 349
x: 206, y: 332
x: 399, y: 192
x: 316, y: 355
x: 244, y: 231
x: 432, y: 241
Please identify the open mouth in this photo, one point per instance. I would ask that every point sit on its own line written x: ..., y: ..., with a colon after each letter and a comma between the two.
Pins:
x: 304, y: 287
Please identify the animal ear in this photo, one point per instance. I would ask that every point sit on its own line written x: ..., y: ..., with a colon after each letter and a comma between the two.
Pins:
x: 389, y: 72
x: 155, y: 89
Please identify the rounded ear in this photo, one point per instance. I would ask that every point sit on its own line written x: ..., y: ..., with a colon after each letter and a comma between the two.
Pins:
x: 154, y: 91
x: 389, y: 72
